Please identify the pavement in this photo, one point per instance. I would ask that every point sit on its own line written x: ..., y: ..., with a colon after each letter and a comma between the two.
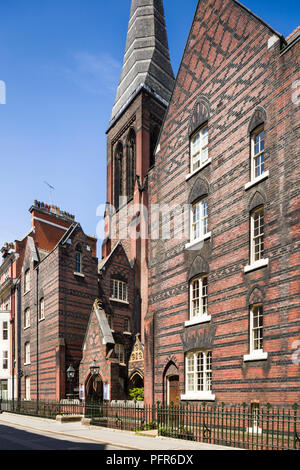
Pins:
x: 121, y: 440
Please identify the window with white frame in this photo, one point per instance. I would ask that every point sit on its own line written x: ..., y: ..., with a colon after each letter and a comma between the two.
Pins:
x: 257, y: 153
x: 5, y: 330
x: 256, y: 328
x: 27, y: 281
x: 198, y: 372
x: 199, y: 219
x: 5, y: 360
x: 27, y: 352
x: 118, y: 290
x: 199, y: 148
x: 42, y: 309
x: 27, y: 387
x: 120, y: 353
x: 257, y: 235
x: 27, y: 318
x: 198, y: 297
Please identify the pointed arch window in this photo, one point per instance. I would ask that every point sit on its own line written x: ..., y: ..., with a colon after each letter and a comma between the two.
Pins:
x: 257, y: 153
x: 256, y: 130
x: 153, y: 141
x: 131, y: 163
x: 118, y: 174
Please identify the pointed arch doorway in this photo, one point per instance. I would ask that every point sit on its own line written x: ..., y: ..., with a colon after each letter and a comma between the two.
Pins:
x: 94, y: 388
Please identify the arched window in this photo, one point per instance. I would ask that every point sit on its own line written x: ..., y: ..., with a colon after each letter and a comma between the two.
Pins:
x: 78, y: 258
x: 131, y: 163
x: 257, y: 153
x: 153, y: 141
x: 198, y: 134
x: 42, y: 309
x: 256, y: 131
x: 118, y: 174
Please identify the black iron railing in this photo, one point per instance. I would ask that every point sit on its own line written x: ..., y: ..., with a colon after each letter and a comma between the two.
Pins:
x: 242, y: 426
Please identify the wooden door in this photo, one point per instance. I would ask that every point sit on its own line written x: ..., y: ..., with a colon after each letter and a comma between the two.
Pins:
x: 174, y: 390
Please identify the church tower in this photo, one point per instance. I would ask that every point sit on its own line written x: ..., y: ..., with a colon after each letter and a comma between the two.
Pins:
x: 142, y: 97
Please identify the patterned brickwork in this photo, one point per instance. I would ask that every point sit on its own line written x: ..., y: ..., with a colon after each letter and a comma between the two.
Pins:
x: 227, y: 72
x: 56, y: 341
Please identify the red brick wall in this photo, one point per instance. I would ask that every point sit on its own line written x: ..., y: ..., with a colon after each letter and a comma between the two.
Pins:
x: 68, y: 302
x: 228, y: 63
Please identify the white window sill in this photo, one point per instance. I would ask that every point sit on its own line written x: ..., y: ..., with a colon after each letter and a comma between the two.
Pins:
x: 262, y: 177
x: 254, y: 430
x: 198, y: 320
x: 256, y: 356
x: 119, y: 300
x: 207, y: 396
x: 256, y: 265
x: 190, y: 175
x: 41, y: 319
x: 27, y: 363
x: 26, y: 327
x: 79, y: 274
x: 193, y: 245
x: 27, y: 292
x: 127, y: 333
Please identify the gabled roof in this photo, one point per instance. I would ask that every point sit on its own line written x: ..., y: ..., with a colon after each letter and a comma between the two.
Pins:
x: 103, y: 262
x: 102, y: 323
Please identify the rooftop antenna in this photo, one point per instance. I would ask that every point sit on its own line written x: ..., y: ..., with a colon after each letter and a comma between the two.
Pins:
x: 51, y: 189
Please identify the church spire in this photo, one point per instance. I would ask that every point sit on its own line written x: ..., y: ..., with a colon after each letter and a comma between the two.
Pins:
x: 147, y: 59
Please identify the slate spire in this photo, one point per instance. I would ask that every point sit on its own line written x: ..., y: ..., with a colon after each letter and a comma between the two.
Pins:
x: 147, y: 59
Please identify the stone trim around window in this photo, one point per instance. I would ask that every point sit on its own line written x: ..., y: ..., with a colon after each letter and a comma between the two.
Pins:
x: 257, y: 180
x: 206, y: 396
x: 256, y: 265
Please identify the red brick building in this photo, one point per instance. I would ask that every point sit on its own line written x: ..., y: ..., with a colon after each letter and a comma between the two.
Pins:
x: 223, y: 317
x: 57, y: 284
x: 110, y: 334
x: 142, y: 98
x: 212, y: 284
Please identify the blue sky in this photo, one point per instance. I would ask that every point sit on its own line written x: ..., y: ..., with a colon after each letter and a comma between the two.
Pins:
x: 61, y: 61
